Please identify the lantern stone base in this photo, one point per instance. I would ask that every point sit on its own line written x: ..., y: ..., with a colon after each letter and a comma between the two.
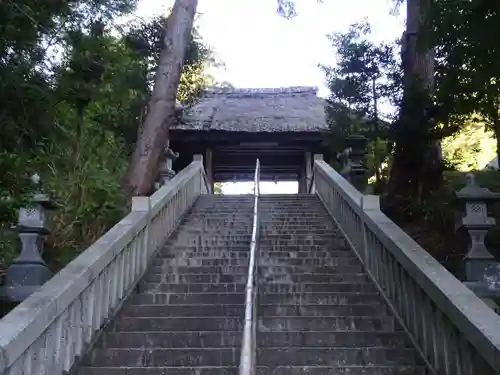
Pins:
x: 23, y: 279
x: 483, y: 276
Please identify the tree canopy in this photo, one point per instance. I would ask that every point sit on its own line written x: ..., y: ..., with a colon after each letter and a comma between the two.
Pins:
x: 74, y: 89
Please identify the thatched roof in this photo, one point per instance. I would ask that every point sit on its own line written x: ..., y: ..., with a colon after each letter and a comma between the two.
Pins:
x: 289, y: 109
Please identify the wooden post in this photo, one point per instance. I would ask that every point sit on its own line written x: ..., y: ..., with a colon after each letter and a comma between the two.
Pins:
x: 209, y: 169
x: 302, y: 181
x: 308, y: 170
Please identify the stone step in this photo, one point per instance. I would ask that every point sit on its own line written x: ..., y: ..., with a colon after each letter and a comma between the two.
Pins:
x: 268, y: 261
x: 337, y: 370
x: 289, y: 216
x: 266, y: 270
x: 216, y: 270
x: 157, y: 310
x: 185, y: 370
x: 244, y: 252
x: 227, y: 209
x: 334, y: 323
x: 279, y: 252
x: 211, y: 236
x: 355, y: 278
x: 172, y: 324
x: 221, y: 197
x: 195, y: 278
x: 286, y: 215
x: 223, y: 201
x: 268, y: 231
x: 168, y: 249
x: 300, y: 356
x: 176, y: 357
x: 283, y: 288
x: 175, y: 248
x: 235, y: 205
x: 279, y: 370
x: 313, y: 311
x: 216, y: 227
x: 221, y: 232
x: 266, y: 357
x: 277, y: 197
x: 325, y: 242
x: 189, y: 299
x: 203, y: 241
x: 317, y: 288
x: 306, y: 227
x: 217, y: 219
x: 211, y: 339
x: 219, y: 254
x: 265, y: 261
x: 330, y: 338
x: 315, y: 207
x: 209, y: 240
x: 304, y: 232
x: 296, y: 221
x: 229, y: 214
x: 321, y: 299
x: 284, y: 230
x: 192, y: 288
x: 247, y: 202
x: 312, y: 209
x: 200, y: 262
x: 182, y: 310
x: 302, y: 235
x: 183, y: 339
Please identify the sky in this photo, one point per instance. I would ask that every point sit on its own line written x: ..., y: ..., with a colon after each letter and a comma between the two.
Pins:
x: 261, y: 49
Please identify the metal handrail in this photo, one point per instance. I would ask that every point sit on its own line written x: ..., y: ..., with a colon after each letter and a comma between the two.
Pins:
x: 249, y: 341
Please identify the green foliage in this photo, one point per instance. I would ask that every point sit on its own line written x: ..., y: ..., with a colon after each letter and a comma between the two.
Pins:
x: 74, y: 120
x: 218, y: 188
x: 471, y: 148
x: 365, y: 74
x: 467, y: 52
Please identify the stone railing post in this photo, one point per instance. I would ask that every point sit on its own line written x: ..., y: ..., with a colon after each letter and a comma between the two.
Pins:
x: 368, y: 202
x: 482, y: 271
x: 353, y: 157
x: 28, y: 272
x: 312, y: 188
x: 199, y: 158
x: 144, y: 204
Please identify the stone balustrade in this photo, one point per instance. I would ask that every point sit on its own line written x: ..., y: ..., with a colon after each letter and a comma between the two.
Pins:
x: 49, y: 331
x: 453, y: 329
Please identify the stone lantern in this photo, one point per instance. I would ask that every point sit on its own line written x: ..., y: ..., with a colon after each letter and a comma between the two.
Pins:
x: 482, y: 271
x: 28, y: 272
x: 353, y: 159
x: 165, y: 170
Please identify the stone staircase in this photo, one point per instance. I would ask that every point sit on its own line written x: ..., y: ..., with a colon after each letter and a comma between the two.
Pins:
x: 187, y: 316
x: 318, y: 311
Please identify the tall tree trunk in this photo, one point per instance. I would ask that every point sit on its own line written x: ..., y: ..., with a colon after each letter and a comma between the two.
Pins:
x: 376, y: 159
x: 496, y: 132
x: 161, y: 108
x: 416, y: 168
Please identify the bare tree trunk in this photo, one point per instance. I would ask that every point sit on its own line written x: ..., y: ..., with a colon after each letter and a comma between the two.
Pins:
x: 161, y: 108
x: 376, y: 158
